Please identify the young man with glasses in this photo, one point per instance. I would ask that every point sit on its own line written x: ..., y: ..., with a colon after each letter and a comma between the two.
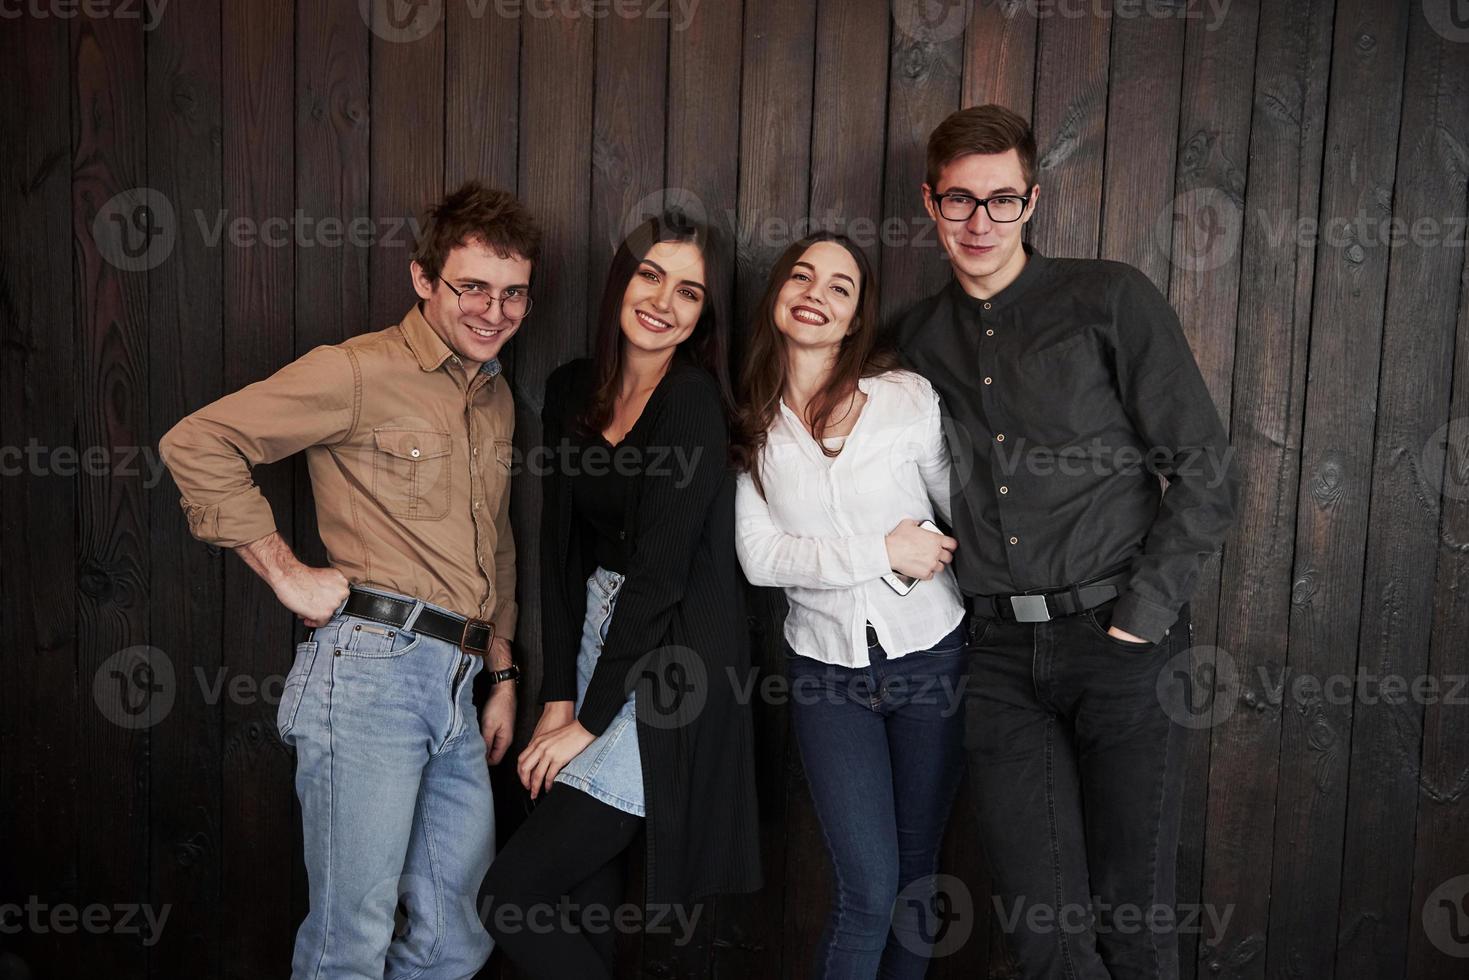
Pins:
x: 407, y: 433
x: 1071, y: 398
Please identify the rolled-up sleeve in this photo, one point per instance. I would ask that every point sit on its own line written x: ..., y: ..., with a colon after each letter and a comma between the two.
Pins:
x: 312, y: 401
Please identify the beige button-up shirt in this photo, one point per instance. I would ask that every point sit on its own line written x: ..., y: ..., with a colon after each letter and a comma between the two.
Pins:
x: 409, y: 460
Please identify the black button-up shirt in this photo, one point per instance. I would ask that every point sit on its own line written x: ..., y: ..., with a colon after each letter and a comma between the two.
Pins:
x: 1067, y: 396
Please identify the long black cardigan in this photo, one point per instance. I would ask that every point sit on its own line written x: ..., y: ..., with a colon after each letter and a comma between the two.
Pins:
x: 678, y: 636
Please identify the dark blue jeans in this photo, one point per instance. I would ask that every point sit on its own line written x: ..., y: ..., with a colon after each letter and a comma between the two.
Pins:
x: 1076, y: 753
x: 883, y: 751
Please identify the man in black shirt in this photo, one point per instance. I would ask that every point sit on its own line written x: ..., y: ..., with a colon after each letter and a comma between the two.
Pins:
x: 1072, y: 400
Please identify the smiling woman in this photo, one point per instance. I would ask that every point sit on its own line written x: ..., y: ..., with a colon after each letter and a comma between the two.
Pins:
x: 643, y: 630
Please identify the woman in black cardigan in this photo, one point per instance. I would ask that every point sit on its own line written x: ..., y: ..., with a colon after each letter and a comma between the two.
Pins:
x: 643, y: 624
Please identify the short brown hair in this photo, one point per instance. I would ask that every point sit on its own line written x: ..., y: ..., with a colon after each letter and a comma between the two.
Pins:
x: 475, y: 212
x: 980, y: 129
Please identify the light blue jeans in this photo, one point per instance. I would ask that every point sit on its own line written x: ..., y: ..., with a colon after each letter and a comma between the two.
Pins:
x: 396, y: 812
x: 610, y: 768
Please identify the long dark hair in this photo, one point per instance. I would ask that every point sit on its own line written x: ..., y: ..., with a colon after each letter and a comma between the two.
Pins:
x: 763, y: 378
x: 707, y: 346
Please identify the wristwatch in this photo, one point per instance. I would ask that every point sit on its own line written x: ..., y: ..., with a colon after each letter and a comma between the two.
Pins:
x: 511, y: 673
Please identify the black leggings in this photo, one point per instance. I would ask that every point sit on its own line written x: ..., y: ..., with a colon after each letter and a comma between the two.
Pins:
x: 571, y: 845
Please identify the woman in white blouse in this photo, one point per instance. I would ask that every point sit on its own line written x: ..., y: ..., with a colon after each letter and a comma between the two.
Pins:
x: 844, y: 457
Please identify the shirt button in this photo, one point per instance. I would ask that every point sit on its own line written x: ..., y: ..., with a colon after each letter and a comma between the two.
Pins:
x: 414, y: 453
x: 986, y: 306
x: 1000, y: 437
x: 1014, y: 540
x: 1004, y: 489
x: 987, y: 380
x: 475, y: 451
x: 989, y: 333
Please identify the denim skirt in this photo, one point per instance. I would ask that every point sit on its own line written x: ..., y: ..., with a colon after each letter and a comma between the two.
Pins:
x: 609, y: 769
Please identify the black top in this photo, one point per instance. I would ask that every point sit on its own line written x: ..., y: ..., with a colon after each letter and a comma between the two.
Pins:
x: 599, y: 478
x: 1066, y: 396
x: 679, y: 637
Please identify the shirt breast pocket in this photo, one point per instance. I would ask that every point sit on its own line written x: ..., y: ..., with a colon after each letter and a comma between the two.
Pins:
x: 411, y: 472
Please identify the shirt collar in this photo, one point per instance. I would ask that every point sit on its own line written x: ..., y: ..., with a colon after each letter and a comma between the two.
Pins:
x: 429, y: 348
x: 1035, y: 264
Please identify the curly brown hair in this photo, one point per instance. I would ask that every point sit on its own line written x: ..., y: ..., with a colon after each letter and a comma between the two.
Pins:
x: 476, y: 212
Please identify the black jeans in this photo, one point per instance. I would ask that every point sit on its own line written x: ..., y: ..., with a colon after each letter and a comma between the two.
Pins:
x: 572, y: 846
x: 1077, y: 767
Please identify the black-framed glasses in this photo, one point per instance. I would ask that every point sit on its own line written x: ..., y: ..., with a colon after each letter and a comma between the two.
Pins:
x: 475, y: 300
x: 1003, y: 208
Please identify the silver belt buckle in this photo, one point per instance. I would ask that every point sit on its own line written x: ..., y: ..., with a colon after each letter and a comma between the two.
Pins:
x: 1030, y: 608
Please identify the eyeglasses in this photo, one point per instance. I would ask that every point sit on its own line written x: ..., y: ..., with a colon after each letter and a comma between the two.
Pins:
x: 1003, y: 208
x: 475, y: 300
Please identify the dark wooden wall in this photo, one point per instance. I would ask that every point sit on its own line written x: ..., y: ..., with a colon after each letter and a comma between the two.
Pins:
x: 1181, y: 139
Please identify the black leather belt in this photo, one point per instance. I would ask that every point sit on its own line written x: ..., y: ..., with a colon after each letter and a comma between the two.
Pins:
x: 1040, y: 607
x: 469, y: 635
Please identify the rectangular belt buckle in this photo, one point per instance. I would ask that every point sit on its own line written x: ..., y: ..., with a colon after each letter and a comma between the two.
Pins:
x: 1030, y: 608
x: 472, y: 624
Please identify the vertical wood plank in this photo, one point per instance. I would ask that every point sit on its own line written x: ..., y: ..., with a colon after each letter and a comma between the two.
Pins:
x: 109, y: 158
x: 925, y: 69
x: 45, y: 696
x: 999, y: 56
x: 407, y: 169
x: 1070, y: 117
x: 1274, y: 323
x: 185, y: 372
x: 1376, y: 917
x: 554, y: 175
x: 774, y: 170
x: 257, y: 93
x: 1198, y: 230
x: 481, y: 96
x: 1363, y: 116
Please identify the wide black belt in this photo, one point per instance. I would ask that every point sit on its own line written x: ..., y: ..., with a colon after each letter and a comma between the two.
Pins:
x: 469, y: 635
x: 1042, y: 606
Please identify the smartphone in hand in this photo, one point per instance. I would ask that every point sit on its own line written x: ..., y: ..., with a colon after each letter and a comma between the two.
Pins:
x: 903, y: 584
